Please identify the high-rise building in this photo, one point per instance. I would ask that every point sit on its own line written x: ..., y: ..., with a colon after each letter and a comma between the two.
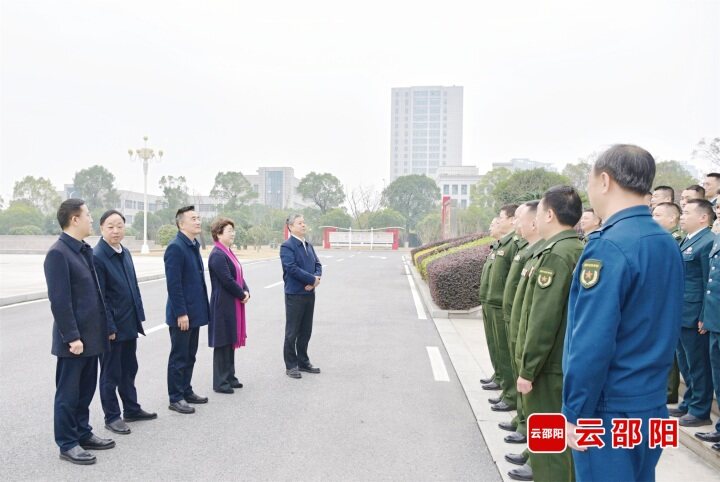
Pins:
x: 426, y: 129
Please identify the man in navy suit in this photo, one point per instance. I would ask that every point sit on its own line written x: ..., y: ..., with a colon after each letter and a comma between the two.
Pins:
x: 80, y: 332
x: 301, y: 273
x: 125, y: 313
x: 187, y: 308
x: 692, y: 351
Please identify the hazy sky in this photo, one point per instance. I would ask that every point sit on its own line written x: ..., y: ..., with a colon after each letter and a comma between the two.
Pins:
x: 231, y: 85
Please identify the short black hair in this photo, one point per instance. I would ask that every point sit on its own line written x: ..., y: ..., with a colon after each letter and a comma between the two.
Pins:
x: 109, y: 213
x: 509, y: 210
x: 716, y: 175
x: 699, y: 189
x: 668, y: 189
x: 589, y: 210
x: 180, y: 212
x: 565, y: 203
x: 69, y: 208
x: 532, y: 206
x: 632, y: 167
x: 672, y: 206
x: 705, y: 207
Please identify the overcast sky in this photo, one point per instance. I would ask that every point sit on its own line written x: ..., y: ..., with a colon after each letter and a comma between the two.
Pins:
x: 231, y: 85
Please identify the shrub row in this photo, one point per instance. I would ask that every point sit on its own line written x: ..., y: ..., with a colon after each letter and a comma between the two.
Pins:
x: 431, y: 248
x: 454, y: 280
x: 449, y: 250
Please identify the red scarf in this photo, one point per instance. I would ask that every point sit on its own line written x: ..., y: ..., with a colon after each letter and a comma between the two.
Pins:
x: 239, y: 307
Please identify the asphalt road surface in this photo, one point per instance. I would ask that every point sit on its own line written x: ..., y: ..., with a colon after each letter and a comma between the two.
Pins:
x: 376, y: 412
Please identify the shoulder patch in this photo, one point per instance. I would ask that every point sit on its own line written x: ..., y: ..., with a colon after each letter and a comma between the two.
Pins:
x: 676, y: 235
x: 545, y: 277
x: 590, y: 274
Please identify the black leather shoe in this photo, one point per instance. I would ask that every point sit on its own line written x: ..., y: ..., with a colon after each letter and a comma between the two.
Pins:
x: 672, y: 400
x: 491, y: 386
x: 195, y: 398
x: 708, y: 436
x: 523, y: 473
x: 227, y: 390
x: 495, y: 400
x: 693, y: 421
x: 487, y: 380
x: 676, y: 412
x: 501, y: 407
x: 181, y: 406
x: 118, y: 426
x: 293, y: 373
x: 77, y: 455
x: 139, y: 416
x: 515, y: 438
x: 93, y: 442
x: 309, y: 369
x: 716, y: 447
x: 517, y: 459
x: 507, y: 426
x: 236, y: 384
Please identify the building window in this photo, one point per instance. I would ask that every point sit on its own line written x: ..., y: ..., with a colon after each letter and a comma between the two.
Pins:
x: 463, y: 189
x: 455, y: 189
x: 128, y: 204
x: 463, y: 203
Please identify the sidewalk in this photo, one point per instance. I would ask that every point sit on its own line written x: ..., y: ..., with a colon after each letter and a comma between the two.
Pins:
x: 22, y: 277
x: 464, y: 339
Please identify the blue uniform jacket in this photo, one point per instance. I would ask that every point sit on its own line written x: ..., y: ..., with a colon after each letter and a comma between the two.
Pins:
x: 623, y: 325
x: 118, y: 282
x: 299, y: 268
x: 75, y: 298
x: 185, y: 277
x: 222, y: 330
x: 711, y: 306
x: 696, y: 255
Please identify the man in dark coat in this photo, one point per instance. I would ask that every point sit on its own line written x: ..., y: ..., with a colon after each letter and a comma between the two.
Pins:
x: 125, y: 314
x: 187, y: 308
x: 80, y: 332
x: 301, y: 272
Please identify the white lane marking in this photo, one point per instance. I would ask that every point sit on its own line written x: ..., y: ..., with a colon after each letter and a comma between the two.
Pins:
x: 378, y: 257
x: 151, y: 280
x: 341, y: 259
x: 274, y: 285
x: 416, y: 296
x: 22, y: 303
x: 438, y: 365
x: 351, y: 256
x: 325, y: 256
x: 156, y: 328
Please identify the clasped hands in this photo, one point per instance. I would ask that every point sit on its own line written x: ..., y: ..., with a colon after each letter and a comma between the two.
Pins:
x: 313, y: 286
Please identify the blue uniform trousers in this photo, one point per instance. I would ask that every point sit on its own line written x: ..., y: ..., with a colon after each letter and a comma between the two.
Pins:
x: 118, y: 368
x: 613, y: 465
x: 75, y: 382
x: 183, y: 348
x: 694, y: 362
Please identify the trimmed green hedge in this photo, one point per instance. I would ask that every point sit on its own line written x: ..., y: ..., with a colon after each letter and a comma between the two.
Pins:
x: 454, y: 280
x: 447, y: 244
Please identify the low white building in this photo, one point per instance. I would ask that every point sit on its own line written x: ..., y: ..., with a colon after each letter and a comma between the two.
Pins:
x: 456, y: 181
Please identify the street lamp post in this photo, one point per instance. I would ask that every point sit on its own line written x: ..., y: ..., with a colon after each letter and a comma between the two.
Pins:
x: 146, y: 154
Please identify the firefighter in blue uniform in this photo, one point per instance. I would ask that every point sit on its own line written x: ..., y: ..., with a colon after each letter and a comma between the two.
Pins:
x: 618, y: 347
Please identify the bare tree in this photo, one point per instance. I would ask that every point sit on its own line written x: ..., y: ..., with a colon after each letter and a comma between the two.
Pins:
x: 363, y: 201
x: 708, y: 149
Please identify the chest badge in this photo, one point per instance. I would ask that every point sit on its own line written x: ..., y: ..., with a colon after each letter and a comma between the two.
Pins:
x: 590, y: 274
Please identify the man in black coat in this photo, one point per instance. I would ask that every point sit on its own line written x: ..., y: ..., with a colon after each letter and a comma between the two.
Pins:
x: 187, y: 308
x: 125, y: 314
x: 80, y: 332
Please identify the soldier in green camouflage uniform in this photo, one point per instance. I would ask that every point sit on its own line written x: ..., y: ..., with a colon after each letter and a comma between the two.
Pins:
x: 541, y: 333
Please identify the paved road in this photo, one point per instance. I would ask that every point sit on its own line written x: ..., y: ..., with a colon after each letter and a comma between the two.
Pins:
x: 376, y: 412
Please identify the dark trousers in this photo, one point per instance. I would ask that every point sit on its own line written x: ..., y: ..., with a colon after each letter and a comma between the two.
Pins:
x: 75, y: 382
x: 673, y: 385
x: 694, y: 362
x: 298, y: 329
x: 118, y: 368
x: 223, y: 367
x: 608, y: 464
x: 183, y: 348
x: 715, y: 364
